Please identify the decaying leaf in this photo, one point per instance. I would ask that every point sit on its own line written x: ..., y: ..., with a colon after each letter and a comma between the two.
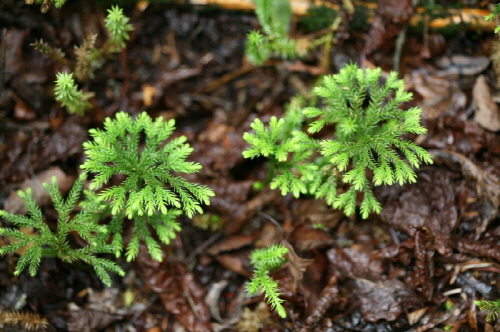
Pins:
x: 487, y: 113
x: 424, y: 265
x: 14, y: 203
x: 487, y: 185
x: 178, y: 290
x: 383, y: 299
x: 297, y: 265
x: 90, y: 320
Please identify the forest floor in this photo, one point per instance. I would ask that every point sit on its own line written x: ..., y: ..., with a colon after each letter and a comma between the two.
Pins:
x: 418, y: 266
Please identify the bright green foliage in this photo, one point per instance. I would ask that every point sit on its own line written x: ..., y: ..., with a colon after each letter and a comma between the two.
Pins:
x: 59, y: 3
x: 68, y: 94
x: 264, y: 261
x: 118, y: 27
x: 151, y: 183
x: 496, y: 11
x: 492, y: 306
x: 164, y: 225
x: 274, y: 17
x: 47, y: 243
x: 368, y: 145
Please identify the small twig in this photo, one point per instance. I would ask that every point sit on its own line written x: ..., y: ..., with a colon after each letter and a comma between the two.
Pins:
x: 190, y: 300
x: 201, y: 248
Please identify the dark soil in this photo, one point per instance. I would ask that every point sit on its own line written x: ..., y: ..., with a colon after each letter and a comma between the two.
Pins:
x: 418, y: 266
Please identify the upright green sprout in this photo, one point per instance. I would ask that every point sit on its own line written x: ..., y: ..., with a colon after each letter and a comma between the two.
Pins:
x: 151, y: 182
x: 274, y: 17
x: 264, y: 261
x: 118, y: 27
x: 68, y: 94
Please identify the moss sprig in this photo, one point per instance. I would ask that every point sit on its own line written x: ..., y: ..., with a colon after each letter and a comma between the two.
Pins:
x: 265, y: 261
x: 67, y: 93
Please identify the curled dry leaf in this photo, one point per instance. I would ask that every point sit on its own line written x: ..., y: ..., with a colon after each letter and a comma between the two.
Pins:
x: 297, y: 265
x: 329, y: 296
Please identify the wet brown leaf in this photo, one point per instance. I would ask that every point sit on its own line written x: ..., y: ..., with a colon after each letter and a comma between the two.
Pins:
x: 388, y: 22
x: 353, y: 263
x: 231, y: 243
x: 383, y: 299
x: 14, y: 203
x: 237, y: 262
x: 35, y: 151
x: 402, y: 252
x: 428, y: 203
x: 487, y: 113
x: 90, y: 320
x: 424, y: 265
x: 179, y: 292
x: 487, y: 185
x: 306, y: 238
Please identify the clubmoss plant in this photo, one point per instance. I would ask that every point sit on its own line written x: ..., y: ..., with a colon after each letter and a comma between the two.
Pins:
x: 364, y: 145
x: 43, y: 242
x: 152, y: 195
x: 89, y: 58
x: 265, y: 261
x: 492, y: 306
x: 274, y: 17
x: 118, y: 27
x: 165, y: 227
x: 151, y: 182
x: 67, y: 93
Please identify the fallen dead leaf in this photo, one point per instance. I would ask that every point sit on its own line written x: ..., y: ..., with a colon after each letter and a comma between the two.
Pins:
x: 487, y: 113
x: 14, y: 203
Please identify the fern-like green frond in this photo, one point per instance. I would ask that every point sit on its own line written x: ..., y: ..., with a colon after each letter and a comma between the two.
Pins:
x: 151, y: 183
x: 367, y: 147
x: 492, y: 306
x: 266, y: 260
x: 274, y: 17
x: 45, y: 242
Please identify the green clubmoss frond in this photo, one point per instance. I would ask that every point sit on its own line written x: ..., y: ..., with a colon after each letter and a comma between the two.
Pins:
x: 367, y: 148
x: 45, y: 242
x: 266, y: 260
x: 151, y: 182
